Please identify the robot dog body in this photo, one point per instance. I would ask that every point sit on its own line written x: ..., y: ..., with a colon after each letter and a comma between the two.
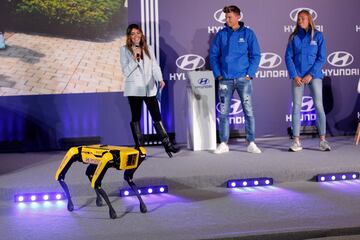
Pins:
x: 100, y: 158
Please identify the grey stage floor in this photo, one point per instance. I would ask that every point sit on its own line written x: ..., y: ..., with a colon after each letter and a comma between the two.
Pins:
x: 188, y: 169
x: 197, y: 206
x: 297, y: 210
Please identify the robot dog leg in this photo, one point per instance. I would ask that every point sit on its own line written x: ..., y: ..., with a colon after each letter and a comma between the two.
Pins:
x: 71, y: 156
x: 90, y: 170
x: 128, y: 176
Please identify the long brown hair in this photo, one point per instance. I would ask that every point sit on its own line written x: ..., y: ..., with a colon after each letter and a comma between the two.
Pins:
x: 311, y: 22
x: 143, y: 43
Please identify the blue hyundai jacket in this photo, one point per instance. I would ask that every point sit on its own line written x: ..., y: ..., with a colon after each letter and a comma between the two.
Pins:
x: 305, y: 56
x: 234, y: 54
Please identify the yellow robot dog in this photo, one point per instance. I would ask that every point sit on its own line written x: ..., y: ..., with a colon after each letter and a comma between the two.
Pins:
x: 100, y: 158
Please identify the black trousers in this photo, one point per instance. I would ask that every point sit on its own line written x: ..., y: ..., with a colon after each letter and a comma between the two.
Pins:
x: 136, y: 108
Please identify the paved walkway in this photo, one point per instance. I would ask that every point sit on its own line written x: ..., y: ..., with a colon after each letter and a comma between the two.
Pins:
x: 39, y: 64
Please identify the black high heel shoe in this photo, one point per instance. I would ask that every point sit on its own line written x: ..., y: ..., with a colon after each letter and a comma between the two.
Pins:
x: 169, y: 147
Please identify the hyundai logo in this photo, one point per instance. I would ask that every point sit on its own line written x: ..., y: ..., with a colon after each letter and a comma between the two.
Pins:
x: 307, y: 104
x: 235, y: 107
x: 190, y: 62
x: 203, y: 81
x: 269, y: 60
x: 294, y: 13
x: 219, y: 16
x: 340, y: 59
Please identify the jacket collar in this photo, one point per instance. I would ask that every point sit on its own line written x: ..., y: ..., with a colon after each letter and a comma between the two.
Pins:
x: 303, y: 33
x: 241, y: 24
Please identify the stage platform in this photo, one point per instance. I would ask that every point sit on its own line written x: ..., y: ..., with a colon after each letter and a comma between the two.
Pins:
x: 26, y: 172
x: 197, y: 205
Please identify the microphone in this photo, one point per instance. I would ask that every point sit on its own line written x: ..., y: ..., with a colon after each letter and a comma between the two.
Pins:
x: 138, y: 54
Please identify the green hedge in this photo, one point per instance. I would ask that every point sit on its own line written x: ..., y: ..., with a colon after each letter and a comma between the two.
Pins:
x: 78, y: 12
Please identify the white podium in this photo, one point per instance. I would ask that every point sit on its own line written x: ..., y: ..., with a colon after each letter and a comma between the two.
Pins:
x: 201, y: 125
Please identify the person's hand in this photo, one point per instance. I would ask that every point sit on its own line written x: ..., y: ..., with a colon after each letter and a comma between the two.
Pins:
x: 137, y: 52
x: 307, y: 79
x: 162, y: 84
x: 298, y: 81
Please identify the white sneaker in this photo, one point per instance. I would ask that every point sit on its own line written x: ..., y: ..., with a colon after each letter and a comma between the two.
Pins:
x: 324, y: 146
x: 295, y: 147
x: 252, y: 148
x: 222, y: 148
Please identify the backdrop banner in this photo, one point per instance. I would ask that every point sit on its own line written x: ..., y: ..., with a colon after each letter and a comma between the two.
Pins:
x: 180, y: 33
x: 186, y: 29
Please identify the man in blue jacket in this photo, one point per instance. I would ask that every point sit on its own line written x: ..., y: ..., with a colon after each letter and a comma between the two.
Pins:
x: 234, y: 59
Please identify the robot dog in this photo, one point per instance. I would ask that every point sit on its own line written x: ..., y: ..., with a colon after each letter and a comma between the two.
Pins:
x: 100, y: 158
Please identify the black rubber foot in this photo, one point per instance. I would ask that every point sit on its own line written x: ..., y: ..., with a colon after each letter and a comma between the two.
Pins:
x: 112, y: 214
x: 143, y: 208
x: 99, y: 202
x: 70, y: 206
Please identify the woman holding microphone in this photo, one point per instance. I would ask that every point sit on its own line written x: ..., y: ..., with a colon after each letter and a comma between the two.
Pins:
x: 142, y: 78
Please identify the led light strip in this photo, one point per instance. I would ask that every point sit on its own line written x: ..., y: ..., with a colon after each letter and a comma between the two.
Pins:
x: 329, y: 177
x: 125, y: 192
x: 249, y: 182
x: 39, y: 197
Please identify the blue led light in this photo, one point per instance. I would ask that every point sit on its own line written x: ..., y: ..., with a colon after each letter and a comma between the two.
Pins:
x: 336, y: 176
x: 38, y: 197
x: 144, y: 190
x: 249, y: 182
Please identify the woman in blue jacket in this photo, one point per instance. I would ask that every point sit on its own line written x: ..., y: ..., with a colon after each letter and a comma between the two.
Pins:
x: 142, y: 75
x: 305, y: 56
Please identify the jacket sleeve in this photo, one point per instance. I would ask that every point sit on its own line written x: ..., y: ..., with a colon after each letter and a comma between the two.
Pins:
x: 215, y: 55
x: 254, y: 54
x: 156, y: 70
x: 128, y: 64
x: 289, y: 60
x: 320, y: 56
